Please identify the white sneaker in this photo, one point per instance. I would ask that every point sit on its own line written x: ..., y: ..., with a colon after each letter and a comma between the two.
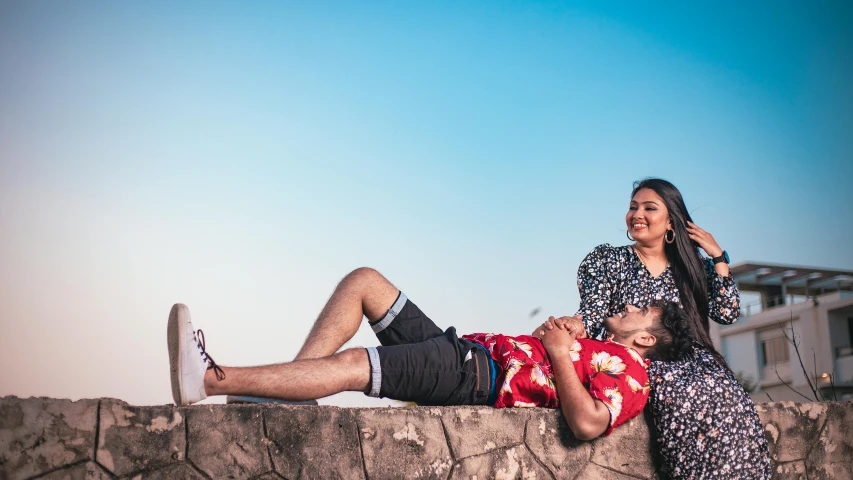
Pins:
x: 187, y: 359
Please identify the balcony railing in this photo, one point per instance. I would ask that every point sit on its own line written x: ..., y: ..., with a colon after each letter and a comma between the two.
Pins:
x: 843, y: 352
x: 772, y: 302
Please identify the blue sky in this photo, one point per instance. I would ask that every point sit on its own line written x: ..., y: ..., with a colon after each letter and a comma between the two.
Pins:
x: 241, y: 158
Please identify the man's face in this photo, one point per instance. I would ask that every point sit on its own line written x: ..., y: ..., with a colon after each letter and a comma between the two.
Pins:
x: 630, y: 322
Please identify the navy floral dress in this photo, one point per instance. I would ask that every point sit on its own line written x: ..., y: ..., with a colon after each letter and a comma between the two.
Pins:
x: 706, y: 423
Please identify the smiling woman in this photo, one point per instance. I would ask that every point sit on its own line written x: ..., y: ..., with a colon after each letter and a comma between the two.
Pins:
x: 719, y: 435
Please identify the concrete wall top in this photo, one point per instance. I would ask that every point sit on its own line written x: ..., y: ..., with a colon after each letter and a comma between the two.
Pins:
x: 106, y: 438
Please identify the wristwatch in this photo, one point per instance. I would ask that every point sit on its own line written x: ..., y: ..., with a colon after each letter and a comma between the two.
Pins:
x: 722, y: 258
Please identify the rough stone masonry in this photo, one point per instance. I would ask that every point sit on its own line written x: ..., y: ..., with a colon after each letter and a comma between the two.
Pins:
x: 105, y: 438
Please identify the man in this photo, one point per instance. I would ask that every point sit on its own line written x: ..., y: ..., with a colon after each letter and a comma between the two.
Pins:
x: 600, y: 384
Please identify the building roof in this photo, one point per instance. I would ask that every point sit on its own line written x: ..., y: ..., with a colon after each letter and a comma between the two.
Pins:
x: 798, y: 280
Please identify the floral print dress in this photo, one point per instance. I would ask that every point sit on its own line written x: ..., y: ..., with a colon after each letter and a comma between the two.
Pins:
x: 706, y: 423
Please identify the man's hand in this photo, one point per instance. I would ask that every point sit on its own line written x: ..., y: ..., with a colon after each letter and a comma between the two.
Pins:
x: 560, y: 340
x: 546, y: 326
x: 563, y: 323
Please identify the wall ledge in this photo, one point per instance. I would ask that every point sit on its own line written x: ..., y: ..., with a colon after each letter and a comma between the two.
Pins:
x: 108, y: 438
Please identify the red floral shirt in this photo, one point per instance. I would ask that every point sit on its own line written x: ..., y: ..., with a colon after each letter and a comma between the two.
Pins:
x: 613, y: 373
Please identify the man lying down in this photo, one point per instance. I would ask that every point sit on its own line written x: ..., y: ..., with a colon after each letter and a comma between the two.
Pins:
x: 598, y: 385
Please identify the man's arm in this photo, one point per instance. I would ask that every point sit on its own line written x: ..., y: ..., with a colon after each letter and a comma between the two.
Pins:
x: 587, y: 417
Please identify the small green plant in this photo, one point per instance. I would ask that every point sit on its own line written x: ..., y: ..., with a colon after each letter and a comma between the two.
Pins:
x: 749, y: 384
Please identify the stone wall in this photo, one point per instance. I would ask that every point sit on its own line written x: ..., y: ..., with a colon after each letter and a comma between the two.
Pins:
x: 100, y: 439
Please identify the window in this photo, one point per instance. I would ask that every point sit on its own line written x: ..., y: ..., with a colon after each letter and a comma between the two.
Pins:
x: 846, y: 350
x: 774, y: 350
x: 774, y: 353
x: 850, y: 329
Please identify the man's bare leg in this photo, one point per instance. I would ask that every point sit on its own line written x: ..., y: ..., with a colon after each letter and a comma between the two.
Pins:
x: 311, y: 379
x: 363, y: 292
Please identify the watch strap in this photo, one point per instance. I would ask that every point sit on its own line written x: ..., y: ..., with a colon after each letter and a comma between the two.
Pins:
x: 724, y: 257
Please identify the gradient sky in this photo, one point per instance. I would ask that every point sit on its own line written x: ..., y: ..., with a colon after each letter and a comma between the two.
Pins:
x: 242, y: 157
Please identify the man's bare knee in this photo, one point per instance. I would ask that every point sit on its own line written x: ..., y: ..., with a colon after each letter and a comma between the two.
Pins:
x: 357, y: 364
x: 353, y: 356
x: 376, y: 292
x: 364, y: 276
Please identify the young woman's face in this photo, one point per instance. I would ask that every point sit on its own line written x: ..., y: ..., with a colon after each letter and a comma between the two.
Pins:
x: 647, y: 218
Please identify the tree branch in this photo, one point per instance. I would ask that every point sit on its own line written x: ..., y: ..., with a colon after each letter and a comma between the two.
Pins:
x: 789, y: 386
x: 792, y: 341
x: 814, y: 362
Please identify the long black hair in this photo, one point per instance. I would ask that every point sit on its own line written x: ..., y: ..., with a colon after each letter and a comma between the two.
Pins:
x: 687, y: 268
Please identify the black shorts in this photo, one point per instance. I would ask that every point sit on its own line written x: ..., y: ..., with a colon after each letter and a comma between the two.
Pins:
x: 418, y: 362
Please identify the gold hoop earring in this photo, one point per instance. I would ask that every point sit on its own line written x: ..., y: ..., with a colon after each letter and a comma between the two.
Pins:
x: 666, y: 236
x: 628, y: 235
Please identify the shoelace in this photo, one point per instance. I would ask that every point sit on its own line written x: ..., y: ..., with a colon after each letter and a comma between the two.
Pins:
x: 217, y: 370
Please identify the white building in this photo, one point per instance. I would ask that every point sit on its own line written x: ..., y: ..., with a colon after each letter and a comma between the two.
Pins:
x: 783, y: 303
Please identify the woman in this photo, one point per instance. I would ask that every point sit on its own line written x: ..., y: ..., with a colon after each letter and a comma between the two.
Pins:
x: 706, y: 423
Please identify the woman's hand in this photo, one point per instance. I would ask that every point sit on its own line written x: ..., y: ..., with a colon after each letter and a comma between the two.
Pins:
x: 707, y: 242
x: 704, y: 239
